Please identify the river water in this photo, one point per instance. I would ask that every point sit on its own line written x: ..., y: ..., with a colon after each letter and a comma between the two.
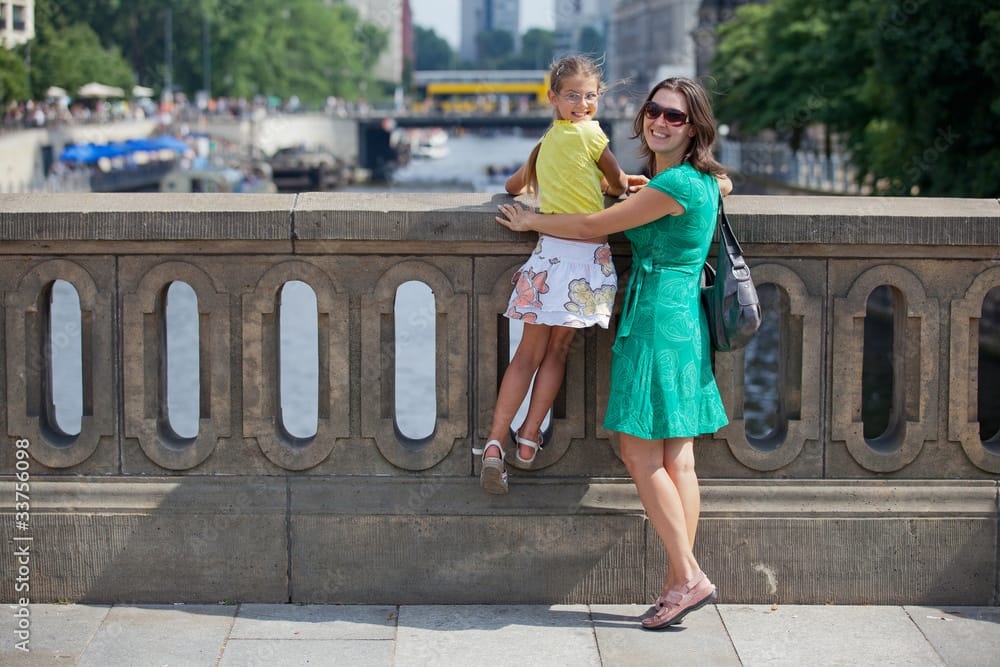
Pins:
x: 464, y: 168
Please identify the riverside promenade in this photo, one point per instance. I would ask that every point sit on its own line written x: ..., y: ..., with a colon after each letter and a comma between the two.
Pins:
x: 277, y: 635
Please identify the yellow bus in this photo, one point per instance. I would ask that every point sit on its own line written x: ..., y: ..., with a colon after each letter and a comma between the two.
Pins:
x: 469, y: 91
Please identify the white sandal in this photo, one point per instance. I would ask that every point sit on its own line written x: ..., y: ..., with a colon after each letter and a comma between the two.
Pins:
x: 493, y: 476
x: 524, y: 442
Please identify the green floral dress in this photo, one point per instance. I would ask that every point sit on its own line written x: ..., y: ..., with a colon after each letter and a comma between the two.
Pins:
x: 662, y: 384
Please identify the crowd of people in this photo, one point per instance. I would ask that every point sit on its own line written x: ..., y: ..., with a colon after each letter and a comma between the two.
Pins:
x: 64, y: 110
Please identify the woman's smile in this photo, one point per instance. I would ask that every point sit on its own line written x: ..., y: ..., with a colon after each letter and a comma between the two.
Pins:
x: 662, y: 137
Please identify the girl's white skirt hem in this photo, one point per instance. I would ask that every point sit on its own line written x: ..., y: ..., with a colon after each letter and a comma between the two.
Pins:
x: 565, y: 283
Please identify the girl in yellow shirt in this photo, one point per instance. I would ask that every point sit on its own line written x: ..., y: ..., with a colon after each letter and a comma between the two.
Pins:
x: 565, y: 284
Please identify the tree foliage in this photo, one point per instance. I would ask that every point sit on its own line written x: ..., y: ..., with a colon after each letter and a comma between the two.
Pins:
x: 432, y: 51
x: 537, y: 47
x: 496, y: 49
x: 592, y: 42
x: 308, y: 48
x: 494, y: 46
x: 909, y: 87
x: 69, y: 54
x: 13, y: 78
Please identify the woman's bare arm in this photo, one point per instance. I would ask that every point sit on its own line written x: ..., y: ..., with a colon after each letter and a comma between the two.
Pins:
x: 644, y: 206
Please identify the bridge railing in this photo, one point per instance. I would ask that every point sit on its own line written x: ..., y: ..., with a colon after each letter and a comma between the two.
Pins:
x: 357, y: 501
x: 808, y: 168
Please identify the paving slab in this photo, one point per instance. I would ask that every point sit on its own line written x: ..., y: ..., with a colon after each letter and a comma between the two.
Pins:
x: 963, y: 636
x: 297, y: 652
x: 282, y: 635
x: 146, y: 635
x: 826, y: 636
x: 521, y: 635
x: 58, y: 634
x: 314, y: 621
x: 700, y: 640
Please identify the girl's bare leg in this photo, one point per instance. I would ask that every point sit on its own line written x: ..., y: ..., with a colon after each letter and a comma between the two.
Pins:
x: 516, y: 380
x: 548, y: 381
x: 662, y: 502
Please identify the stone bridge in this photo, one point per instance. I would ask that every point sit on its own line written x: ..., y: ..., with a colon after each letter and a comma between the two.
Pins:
x: 813, y: 511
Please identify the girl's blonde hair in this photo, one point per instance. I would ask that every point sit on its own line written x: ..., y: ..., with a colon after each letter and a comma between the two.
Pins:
x: 559, y: 72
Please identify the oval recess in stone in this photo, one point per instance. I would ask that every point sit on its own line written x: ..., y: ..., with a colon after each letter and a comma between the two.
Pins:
x: 298, y: 360
x: 65, y: 360
x: 988, y: 389
x: 183, y: 360
x: 765, y: 420
x: 880, y: 404
x: 415, y: 336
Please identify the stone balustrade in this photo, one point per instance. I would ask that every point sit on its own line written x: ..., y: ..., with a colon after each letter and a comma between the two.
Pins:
x: 813, y: 511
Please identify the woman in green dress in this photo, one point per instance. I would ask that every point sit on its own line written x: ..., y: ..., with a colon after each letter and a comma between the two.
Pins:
x: 663, y: 393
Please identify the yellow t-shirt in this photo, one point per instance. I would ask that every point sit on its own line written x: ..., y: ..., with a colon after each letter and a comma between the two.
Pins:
x: 569, y: 180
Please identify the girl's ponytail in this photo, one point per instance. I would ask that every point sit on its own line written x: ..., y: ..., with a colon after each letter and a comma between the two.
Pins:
x: 530, y: 173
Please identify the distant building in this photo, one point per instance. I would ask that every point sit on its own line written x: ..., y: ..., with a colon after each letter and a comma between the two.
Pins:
x: 17, y: 22
x: 652, y: 40
x: 710, y: 15
x: 484, y: 15
x: 394, y: 18
x: 573, y: 17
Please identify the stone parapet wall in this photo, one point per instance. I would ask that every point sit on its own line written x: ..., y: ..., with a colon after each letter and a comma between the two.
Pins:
x: 816, y: 512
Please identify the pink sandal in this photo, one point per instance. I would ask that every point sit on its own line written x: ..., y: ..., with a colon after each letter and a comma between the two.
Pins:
x: 681, y: 601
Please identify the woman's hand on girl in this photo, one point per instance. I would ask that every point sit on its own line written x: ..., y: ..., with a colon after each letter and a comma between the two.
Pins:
x: 725, y: 185
x: 636, y: 182
x: 515, y: 217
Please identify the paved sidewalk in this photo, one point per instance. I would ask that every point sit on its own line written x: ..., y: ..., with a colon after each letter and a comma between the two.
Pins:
x: 578, y: 635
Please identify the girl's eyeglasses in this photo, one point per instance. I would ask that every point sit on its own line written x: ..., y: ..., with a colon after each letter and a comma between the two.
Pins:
x: 576, y: 98
x: 673, y: 117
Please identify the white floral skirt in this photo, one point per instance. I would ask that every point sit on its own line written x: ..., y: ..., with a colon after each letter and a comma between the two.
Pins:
x: 565, y: 283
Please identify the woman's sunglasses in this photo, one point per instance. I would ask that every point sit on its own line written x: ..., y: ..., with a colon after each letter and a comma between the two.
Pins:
x: 673, y: 117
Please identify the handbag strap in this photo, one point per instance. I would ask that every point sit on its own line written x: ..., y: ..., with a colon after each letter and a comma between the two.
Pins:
x: 727, y: 239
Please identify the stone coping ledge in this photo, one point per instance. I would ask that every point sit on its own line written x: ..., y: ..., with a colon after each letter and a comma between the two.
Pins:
x: 353, y: 495
x: 310, y: 222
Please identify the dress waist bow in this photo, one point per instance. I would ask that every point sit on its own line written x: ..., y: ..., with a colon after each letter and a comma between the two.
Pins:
x: 641, y: 267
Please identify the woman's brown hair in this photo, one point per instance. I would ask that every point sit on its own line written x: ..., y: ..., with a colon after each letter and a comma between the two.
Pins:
x: 702, y: 118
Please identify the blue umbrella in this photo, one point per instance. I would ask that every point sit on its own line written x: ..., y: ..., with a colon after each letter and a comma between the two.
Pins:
x: 83, y: 153
x: 115, y: 149
x: 169, y: 142
x: 90, y: 153
x: 141, y: 145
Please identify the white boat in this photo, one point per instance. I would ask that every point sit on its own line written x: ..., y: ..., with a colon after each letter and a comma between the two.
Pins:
x: 429, y: 144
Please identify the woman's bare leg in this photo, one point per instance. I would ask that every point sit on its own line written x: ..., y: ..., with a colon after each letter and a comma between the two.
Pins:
x: 678, y: 459
x: 662, y: 502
